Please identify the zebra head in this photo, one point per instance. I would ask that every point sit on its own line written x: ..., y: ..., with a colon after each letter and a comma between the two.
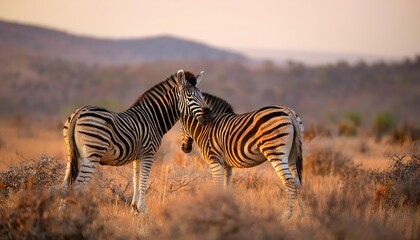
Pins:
x: 191, y: 101
x: 217, y: 106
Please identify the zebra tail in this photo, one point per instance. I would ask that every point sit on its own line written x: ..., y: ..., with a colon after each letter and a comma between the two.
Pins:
x: 74, y: 152
x: 297, y: 145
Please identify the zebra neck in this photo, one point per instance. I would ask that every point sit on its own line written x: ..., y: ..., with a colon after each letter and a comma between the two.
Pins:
x: 196, y: 130
x: 161, y: 109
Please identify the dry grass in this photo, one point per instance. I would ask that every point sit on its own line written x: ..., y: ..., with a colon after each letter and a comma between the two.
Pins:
x: 342, y: 199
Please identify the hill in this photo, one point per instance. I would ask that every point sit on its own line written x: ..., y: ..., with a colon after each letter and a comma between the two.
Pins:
x: 35, y: 85
x: 61, y: 45
x: 41, y: 81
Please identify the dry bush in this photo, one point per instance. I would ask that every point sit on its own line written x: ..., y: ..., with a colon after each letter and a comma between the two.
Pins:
x: 314, y: 131
x: 253, y: 180
x: 405, y: 134
x: 213, y: 214
x: 340, y: 214
x: 35, y: 214
x: 326, y: 161
x: 45, y: 172
x: 399, y: 185
x: 30, y: 203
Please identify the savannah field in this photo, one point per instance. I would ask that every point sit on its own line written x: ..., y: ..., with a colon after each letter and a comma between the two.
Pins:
x: 353, y: 188
x: 361, y: 177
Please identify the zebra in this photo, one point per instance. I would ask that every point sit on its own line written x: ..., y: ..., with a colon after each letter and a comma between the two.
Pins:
x: 272, y: 133
x: 96, y: 135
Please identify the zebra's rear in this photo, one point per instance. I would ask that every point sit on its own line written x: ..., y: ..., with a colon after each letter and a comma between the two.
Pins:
x: 72, y: 169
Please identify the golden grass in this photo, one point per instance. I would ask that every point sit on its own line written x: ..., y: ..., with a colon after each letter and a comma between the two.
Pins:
x: 340, y: 204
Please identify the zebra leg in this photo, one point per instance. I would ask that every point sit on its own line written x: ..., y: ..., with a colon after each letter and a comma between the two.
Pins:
x: 217, y: 172
x: 62, y: 203
x: 228, y: 174
x: 282, y: 169
x: 145, y: 167
x: 66, y: 181
x: 300, y: 201
x: 293, y: 169
x: 136, y: 171
x: 86, y: 171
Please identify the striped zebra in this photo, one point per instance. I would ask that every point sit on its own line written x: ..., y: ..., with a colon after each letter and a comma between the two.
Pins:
x: 272, y: 133
x: 95, y: 135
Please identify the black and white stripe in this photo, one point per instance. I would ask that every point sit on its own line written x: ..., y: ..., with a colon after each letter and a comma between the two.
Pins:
x: 272, y: 133
x: 95, y: 135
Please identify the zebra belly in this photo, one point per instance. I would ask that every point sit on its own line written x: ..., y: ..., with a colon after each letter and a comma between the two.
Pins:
x: 246, y: 161
x: 111, y: 158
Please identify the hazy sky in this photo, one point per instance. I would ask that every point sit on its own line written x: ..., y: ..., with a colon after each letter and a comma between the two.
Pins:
x: 379, y: 27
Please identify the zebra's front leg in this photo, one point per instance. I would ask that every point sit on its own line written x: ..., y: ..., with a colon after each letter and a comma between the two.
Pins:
x: 146, y: 165
x: 217, y: 172
x: 136, y: 176
x: 228, y: 174
x: 282, y: 169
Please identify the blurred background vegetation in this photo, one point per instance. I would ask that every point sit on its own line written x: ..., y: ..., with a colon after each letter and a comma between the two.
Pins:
x: 48, y: 74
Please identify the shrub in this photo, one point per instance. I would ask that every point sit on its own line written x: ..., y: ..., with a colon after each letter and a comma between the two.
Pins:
x: 383, y: 123
x: 34, y: 214
x: 326, y: 161
x: 349, y: 124
x: 341, y: 214
x: 399, y: 185
x: 405, y: 133
x: 314, y: 131
x: 215, y: 214
x: 45, y: 172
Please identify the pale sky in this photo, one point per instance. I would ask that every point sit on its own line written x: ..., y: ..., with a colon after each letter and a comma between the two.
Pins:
x: 377, y: 27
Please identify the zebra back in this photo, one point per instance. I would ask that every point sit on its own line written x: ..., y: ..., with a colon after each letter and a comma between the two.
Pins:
x: 217, y: 104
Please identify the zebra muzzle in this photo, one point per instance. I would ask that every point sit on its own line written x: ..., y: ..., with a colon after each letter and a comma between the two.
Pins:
x: 186, y: 148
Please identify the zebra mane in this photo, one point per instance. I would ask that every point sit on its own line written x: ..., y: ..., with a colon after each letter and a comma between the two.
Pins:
x: 217, y: 104
x: 163, y: 87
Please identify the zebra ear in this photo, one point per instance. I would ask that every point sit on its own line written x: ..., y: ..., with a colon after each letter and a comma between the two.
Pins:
x: 199, y: 77
x: 180, y: 75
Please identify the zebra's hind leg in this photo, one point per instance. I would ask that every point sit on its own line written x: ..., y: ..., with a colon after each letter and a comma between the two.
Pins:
x: 282, y: 169
x: 66, y: 181
x: 293, y: 169
x: 298, y: 187
x: 228, y: 174
x: 66, y: 184
x: 300, y: 201
x: 139, y: 201
x: 86, y: 171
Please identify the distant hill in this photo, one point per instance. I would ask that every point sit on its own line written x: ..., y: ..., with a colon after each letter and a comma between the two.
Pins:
x: 312, y: 58
x: 49, y: 74
x: 57, y: 44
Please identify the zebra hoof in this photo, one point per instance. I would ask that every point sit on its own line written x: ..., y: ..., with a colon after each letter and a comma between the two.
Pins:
x: 287, y: 215
x: 298, y: 183
x: 139, y: 211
